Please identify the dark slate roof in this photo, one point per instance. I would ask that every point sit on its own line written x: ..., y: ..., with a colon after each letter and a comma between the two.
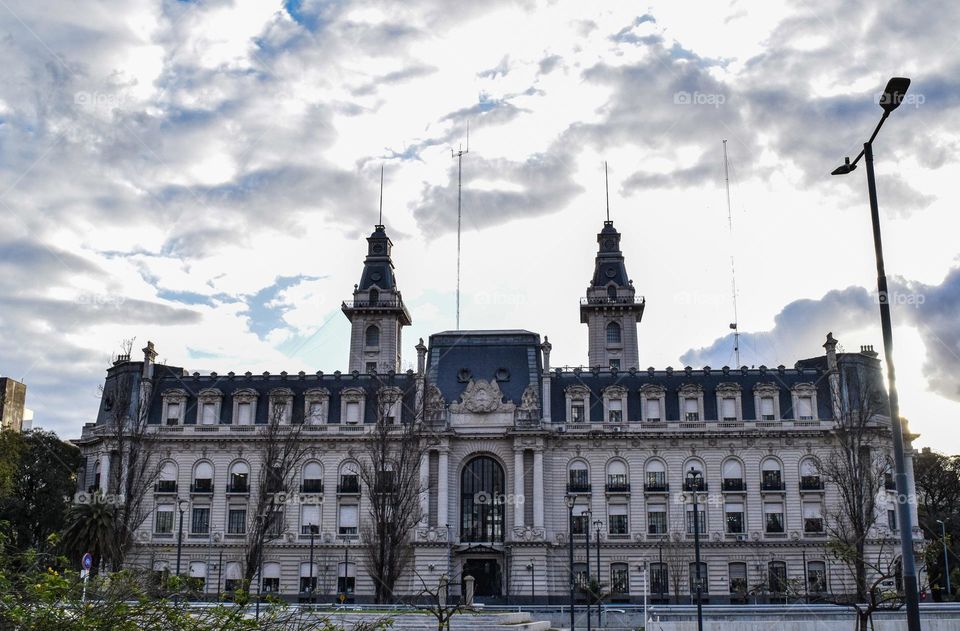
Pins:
x: 609, y: 262
x: 512, y: 357
x: 377, y: 266
x: 672, y: 381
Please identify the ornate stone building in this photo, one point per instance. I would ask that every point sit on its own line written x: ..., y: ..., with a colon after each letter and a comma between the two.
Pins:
x: 518, y: 440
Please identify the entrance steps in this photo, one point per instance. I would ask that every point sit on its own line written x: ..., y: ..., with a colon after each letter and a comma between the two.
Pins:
x: 510, y: 621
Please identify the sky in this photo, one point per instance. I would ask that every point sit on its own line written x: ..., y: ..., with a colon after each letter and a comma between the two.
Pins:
x: 203, y: 175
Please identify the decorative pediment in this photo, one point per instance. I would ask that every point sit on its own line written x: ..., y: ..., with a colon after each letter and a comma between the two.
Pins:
x: 728, y: 387
x: 578, y: 391
x: 692, y: 389
x: 482, y: 397
x: 615, y: 391
x: 652, y: 390
x: 766, y: 388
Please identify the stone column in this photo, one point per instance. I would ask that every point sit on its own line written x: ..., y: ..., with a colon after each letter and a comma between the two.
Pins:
x: 545, y: 394
x: 538, y: 488
x: 425, y: 488
x: 831, y: 347
x: 443, y: 479
x: 518, y: 488
x: 105, y: 472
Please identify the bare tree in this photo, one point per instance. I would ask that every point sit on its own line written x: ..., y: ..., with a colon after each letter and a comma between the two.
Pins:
x: 388, y: 465
x: 436, y: 600
x: 281, y: 449
x: 677, y: 557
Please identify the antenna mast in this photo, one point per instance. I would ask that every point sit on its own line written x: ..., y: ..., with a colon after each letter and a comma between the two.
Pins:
x: 459, y: 156
x: 606, y: 184
x: 380, y: 221
x: 733, y: 272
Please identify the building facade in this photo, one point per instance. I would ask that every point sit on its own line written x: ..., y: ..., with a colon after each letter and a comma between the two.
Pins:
x: 527, y: 456
x: 13, y: 396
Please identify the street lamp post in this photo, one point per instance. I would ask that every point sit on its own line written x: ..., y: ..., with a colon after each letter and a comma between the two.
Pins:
x: 598, y: 524
x: 313, y: 581
x: 570, y: 501
x: 660, y: 566
x: 533, y: 593
x: 946, y: 558
x: 695, y: 478
x: 892, y: 97
x: 181, y: 507
x: 586, y: 540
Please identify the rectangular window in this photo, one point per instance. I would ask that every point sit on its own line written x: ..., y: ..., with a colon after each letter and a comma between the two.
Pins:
x: 653, y: 410
x: 316, y: 412
x: 620, y: 578
x: 173, y: 413
x: 657, y: 519
x: 615, y: 413
x: 371, y: 368
x: 773, y: 516
x: 580, y: 525
x: 200, y: 523
x: 579, y: 479
x: 892, y: 519
x: 734, y: 514
x: 659, y: 579
x: 805, y: 408
x: 353, y: 412
x: 237, y: 521
x: 164, y: 520
x: 238, y: 483
x: 244, y: 413
x: 208, y: 414
x: 576, y: 413
x: 729, y: 409
x: 309, y: 516
x: 701, y: 517
x: 704, y: 578
x: 817, y: 577
x: 738, y: 579
x: 812, y: 517
x: 691, y: 409
x: 271, y: 584
x: 276, y: 525
x: 766, y: 409
x: 349, y: 483
x: 349, y: 519
x: 617, y: 514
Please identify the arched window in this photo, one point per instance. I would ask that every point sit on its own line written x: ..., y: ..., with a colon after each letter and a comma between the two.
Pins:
x: 346, y: 577
x: 578, y: 477
x: 239, y: 480
x: 349, y: 478
x: 613, y: 333
x: 374, y: 296
x: 481, y: 500
x: 373, y: 335
x: 167, y: 482
x: 233, y: 577
x: 612, y: 293
x: 733, y: 475
x: 771, y: 475
x: 312, y: 478
x: 778, y: 577
x: 617, y: 478
x: 656, y: 477
x: 198, y: 574
x: 694, y: 464
x: 202, y: 478
x: 810, y: 475
x: 271, y: 578
x: 308, y: 577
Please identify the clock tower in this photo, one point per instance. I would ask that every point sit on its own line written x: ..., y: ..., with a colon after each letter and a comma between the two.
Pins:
x: 377, y: 313
x: 611, y: 309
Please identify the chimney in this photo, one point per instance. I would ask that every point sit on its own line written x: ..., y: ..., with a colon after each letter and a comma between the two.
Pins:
x: 867, y: 349
x: 149, y: 357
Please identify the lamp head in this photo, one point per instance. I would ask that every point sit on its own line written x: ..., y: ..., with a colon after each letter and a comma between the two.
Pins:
x: 569, y: 501
x: 844, y: 168
x: 182, y: 505
x: 893, y: 94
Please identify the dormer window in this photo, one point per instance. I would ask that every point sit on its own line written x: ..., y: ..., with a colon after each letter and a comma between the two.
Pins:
x: 281, y: 405
x: 766, y: 398
x: 729, y: 409
x: 691, y: 409
x: 244, y: 406
x: 578, y: 397
x: 173, y: 413
x: 804, y: 401
x: 653, y: 410
x: 316, y: 405
x: 615, y: 404
x: 728, y: 403
x: 174, y: 405
x: 653, y: 399
x: 390, y: 404
x: 208, y: 406
x: 351, y: 405
x: 577, y: 414
x: 374, y: 296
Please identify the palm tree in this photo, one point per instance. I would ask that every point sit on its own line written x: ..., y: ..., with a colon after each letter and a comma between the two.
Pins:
x: 90, y: 529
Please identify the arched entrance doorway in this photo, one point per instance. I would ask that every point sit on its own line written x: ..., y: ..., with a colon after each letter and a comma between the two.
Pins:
x: 482, y: 522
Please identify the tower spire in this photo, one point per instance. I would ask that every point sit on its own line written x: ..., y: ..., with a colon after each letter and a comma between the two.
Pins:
x: 606, y: 180
x: 380, y: 221
x: 459, y: 156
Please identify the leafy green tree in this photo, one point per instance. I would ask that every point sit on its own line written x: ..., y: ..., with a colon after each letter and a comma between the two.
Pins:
x: 90, y: 529
x: 938, y: 494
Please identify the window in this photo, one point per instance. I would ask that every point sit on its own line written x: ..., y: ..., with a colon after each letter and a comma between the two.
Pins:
x: 653, y: 410
x: 657, y: 519
x: 315, y: 415
x: 576, y: 412
x: 276, y: 523
x: 766, y: 409
x: 805, y: 408
x: 374, y: 296
x: 371, y: 368
x: 704, y: 578
x: 613, y: 333
x: 271, y: 578
x: 167, y: 483
x: 611, y: 293
x: 773, y: 517
x: 809, y: 475
x: 239, y: 478
x: 163, y: 522
x: 208, y: 414
x: 482, y: 500
x: 620, y: 578
x: 728, y: 409
x: 617, y: 516
x: 659, y: 579
x: 312, y: 478
x: 738, y: 579
x: 580, y: 525
x: 348, y: 519
x: 777, y: 573
x: 771, y: 475
x: 200, y: 522
x: 372, y: 337
x: 579, y: 477
x: 734, y: 514
x: 233, y: 578
x: 580, y: 576
x: 203, y: 478
x: 701, y: 517
x: 817, y: 577
x: 198, y: 574
x: 733, y: 475
x: 309, y: 518
x: 244, y: 413
x: 615, y: 412
x: 892, y: 519
x: 614, y: 364
x: 812, y: 516
x: 308, y: 577
x: 173, y: 413
x: 236, y: 520
x: 691, y: 409
x: 346, y: 577
x: 655, y: 479
x: 617, y: 480
x: 353, y: 412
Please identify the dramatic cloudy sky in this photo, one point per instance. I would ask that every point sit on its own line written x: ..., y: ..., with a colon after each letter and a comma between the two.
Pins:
x: 202, y: 174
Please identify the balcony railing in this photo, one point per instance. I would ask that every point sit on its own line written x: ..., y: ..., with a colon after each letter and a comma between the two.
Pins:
x: 201, y: 486
x: 389, y: 303
x: 656, y: 487
x: 238, y: 488
x: 734, y: 485
x: 700, y: 487
x: 349, y: 487
x: 578, y: 487
x: 811, y: 483
x: 612, y: 300
x: 618, y: 487
x: 311, y: 486
x: 165, y: 486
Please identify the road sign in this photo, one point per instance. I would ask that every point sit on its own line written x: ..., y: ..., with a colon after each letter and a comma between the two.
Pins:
x: 87, y: 561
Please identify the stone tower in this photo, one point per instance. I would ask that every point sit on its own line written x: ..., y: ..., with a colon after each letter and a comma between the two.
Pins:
x: 611, y: 309
x: 376, y: 312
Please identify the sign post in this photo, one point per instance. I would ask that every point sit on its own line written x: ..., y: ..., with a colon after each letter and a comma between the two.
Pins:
x: 86, y: 563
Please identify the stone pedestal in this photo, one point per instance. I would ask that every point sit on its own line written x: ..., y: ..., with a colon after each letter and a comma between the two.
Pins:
x: 468, y: 590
